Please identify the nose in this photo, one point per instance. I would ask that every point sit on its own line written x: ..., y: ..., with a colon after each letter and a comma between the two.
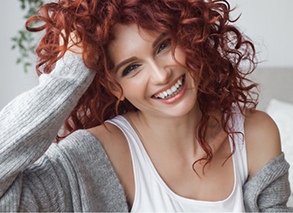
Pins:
x: 160, y: 74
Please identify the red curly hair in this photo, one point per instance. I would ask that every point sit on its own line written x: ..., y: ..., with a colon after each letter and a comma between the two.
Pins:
x: 215, y: 51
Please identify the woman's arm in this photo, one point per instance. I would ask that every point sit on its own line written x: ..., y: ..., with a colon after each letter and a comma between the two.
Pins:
x: 29, y: 123
x: 262, y: 140
x: 268, y: 187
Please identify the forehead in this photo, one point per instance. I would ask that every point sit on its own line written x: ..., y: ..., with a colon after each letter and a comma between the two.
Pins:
x: 130, y: 39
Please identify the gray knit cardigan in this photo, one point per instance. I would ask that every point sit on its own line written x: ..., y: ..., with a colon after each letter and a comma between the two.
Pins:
x: 76, y: 174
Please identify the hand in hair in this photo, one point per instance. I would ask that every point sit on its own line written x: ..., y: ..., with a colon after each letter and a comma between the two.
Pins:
x: 74, y: 45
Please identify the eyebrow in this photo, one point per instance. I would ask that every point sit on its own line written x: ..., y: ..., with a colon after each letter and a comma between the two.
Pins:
x: 124, y: 62
x: 158, y: 39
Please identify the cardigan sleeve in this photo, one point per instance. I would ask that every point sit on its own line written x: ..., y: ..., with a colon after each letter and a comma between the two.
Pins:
x: 30, y: 122
x: 269, y: 189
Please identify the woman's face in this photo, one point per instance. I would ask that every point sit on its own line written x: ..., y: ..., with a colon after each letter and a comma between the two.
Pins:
x: 149, y: 76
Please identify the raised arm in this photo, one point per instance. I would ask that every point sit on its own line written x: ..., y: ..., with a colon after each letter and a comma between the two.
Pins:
x: 29, y: 123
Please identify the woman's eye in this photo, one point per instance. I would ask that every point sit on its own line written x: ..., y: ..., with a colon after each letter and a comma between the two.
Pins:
x: 164, y: 45
x: 129, y: 69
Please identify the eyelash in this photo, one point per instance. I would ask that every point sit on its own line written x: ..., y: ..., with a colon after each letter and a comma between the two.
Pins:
x: 129, y: 69
x: 166, y: 43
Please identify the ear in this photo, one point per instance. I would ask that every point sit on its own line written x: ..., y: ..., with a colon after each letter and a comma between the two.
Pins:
x: 117, y: 92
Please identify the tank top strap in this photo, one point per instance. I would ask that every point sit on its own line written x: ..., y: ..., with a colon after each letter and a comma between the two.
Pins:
x: 236, y: 124
x: 132, y: 138
x: 139, y: 156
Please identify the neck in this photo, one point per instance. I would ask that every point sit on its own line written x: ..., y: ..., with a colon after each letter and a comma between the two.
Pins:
x: 168, y: 134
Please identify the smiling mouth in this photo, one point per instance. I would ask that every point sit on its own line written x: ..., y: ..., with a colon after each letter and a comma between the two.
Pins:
x: 172, y: 91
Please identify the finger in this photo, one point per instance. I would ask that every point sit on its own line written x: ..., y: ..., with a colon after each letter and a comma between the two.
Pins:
x: 72, y: 42
x: 61, y: 40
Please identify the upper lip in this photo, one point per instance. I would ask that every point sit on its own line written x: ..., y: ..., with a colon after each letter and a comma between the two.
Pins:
x: 168, y: 86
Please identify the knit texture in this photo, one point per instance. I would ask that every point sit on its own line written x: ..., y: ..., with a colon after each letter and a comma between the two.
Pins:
x: 76, y: 174
x: 57, y: 181
x: 269, y: 189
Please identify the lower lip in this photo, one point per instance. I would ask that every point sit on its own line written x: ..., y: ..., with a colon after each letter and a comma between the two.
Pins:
x: 175, y: 97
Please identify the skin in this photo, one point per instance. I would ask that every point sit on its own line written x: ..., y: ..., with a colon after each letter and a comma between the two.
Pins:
x: 166, y: 130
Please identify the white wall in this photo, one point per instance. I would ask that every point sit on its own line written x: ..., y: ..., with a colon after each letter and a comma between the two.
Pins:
x: 268, y: 22
x: 13, y: 80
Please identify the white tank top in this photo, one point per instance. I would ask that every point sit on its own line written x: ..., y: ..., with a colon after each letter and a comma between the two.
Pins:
x: 153, y: 195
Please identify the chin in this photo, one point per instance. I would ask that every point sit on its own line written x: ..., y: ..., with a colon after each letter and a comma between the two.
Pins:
x: 185, y: 108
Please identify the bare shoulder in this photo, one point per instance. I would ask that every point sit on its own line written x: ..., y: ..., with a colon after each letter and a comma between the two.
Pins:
x: 262, y: 140
x: 116, y: 146
x: 105, y: 133
x: 112, y: 140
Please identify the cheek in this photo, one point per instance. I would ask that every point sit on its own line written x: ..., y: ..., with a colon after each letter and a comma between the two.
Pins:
x: 134, y: 90
x: 136, y: 94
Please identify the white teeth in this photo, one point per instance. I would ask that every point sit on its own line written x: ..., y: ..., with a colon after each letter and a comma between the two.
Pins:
x: 172, y: 91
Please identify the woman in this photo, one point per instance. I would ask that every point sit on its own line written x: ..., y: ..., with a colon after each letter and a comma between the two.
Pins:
x: 159, y: 115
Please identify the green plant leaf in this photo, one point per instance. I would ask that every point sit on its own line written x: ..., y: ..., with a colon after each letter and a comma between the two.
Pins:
x: 20, y: 44
x: 18, y: 60
x: 24, y: 42
x: 26, y: 65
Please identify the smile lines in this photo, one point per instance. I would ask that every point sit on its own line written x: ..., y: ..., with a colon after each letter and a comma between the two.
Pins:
x: 175, y: 89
